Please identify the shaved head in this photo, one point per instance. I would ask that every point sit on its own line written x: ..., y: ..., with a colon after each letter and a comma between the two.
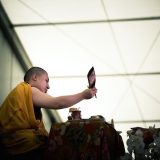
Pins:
x: 32, y: 71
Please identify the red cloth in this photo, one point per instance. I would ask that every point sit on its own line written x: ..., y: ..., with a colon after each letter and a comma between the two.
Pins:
x: 84, y: 139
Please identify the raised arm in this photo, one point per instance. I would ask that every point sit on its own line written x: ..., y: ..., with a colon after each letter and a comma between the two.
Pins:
x: 44, y: 100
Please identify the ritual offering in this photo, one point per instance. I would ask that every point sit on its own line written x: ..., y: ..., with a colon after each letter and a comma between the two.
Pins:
x: 75, y: 114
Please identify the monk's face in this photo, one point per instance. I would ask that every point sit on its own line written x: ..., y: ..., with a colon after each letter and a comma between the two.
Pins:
x: 42, y: 82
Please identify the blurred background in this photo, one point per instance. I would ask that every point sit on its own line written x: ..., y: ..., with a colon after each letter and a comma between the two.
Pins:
x: 120, y: 38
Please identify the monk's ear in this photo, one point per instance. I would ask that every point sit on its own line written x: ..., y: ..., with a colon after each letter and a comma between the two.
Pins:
x: 34, y: 77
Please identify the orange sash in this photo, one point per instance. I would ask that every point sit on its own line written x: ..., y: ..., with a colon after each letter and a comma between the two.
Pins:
x: 19, y: 129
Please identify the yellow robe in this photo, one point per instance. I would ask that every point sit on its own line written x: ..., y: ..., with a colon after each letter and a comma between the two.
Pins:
x: 20, y: 131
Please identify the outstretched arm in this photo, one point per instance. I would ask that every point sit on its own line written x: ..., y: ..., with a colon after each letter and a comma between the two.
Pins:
x: 44, y: 100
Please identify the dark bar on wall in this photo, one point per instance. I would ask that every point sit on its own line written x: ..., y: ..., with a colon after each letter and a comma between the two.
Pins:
x: 13, y: 40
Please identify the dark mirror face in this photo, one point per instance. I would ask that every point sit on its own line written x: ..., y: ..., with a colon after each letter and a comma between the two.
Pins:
x: 91, y: 78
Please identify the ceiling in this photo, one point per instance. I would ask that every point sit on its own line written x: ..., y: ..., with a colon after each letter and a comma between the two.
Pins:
x: 120, y: 38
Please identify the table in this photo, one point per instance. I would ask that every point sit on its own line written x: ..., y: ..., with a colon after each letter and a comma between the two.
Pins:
x: 84, y: 140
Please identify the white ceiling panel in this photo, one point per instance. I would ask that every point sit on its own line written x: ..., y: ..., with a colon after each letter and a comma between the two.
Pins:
x: 131, y: 9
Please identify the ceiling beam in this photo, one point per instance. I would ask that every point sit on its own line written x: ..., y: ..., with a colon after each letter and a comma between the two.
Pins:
x: 111, y: 75
x: 88, y: 21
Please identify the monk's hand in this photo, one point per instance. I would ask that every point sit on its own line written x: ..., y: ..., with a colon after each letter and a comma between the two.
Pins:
x: 89, y: 93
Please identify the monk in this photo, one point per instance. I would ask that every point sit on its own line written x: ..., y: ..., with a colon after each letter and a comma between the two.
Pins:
x: 22, y: 132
